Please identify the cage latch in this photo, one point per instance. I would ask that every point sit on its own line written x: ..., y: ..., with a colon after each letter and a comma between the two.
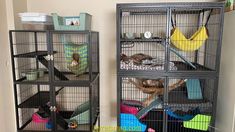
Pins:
x: 53, y: 108
x: 49, y: 57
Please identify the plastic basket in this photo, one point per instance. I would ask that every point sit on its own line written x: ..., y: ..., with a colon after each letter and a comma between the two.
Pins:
x: 81, y: 22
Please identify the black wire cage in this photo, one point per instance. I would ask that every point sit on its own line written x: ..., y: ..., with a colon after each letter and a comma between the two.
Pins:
x: 56, y: 80
x: 168, y: 57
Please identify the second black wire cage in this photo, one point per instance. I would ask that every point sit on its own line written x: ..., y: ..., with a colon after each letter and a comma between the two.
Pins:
x: 168, y: 57
x: 56, y: 80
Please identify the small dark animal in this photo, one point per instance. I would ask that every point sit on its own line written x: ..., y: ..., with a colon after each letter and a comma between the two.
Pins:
x: 124, y: 58
x: 152, y: 82
x: 75, y: 60
x: 137, y: 58
x: 76, y: 57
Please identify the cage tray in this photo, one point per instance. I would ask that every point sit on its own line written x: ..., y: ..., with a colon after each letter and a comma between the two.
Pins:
x: 33, y: 54
x: 36, y: 100
x: 83, y: 77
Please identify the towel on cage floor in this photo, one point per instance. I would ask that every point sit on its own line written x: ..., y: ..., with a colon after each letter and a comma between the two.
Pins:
x: 81, y: 50
x: 145, y: 66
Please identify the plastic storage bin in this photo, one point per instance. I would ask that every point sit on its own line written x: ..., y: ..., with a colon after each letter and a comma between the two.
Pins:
x: 81, y: 22
x: 35, y: 17
x: 36, y: 21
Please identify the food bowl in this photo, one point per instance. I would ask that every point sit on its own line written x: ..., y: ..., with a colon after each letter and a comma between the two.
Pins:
x: 129, y: 35
x: 31, y: 75
x: 41, y: 72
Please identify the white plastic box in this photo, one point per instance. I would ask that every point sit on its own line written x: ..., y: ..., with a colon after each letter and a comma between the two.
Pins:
x: 36, y: 21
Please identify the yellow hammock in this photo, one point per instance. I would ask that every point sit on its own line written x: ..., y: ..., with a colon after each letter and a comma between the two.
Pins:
x: 193, y: 43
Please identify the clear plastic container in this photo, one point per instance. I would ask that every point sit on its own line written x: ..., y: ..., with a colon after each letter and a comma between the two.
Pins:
x: 35, y: 17
x: 37, y: 26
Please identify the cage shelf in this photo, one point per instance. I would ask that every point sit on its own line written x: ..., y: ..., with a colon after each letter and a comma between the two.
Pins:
x: 33, y: 54
x: 43, y: 79
x: 142, y: 40
x: 178, y: 67
x: 80, y: 80
x: 36, y: 100
x: 83, y: 77
x: 181, y: 66
x: 181, y: 101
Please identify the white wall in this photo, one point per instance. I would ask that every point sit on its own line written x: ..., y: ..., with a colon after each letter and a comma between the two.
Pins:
x: 7, y: 108
x: 103, y: 12
x: 7, y: 113
x: 104, y: 21
x: 3, y: 23
x: 19, y: 6
x: 226, y: 93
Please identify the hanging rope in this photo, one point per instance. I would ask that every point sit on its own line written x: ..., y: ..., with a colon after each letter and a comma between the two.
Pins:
x: 203, y: 13
x: 173, y: 22
x: 208, y: 17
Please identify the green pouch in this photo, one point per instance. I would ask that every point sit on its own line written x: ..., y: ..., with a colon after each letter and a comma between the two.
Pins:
x: 81, y: 49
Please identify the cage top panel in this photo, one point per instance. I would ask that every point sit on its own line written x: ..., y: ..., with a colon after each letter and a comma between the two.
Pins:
x: 161, y: 8
x: 55, y: 31
x: 172, y: 5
